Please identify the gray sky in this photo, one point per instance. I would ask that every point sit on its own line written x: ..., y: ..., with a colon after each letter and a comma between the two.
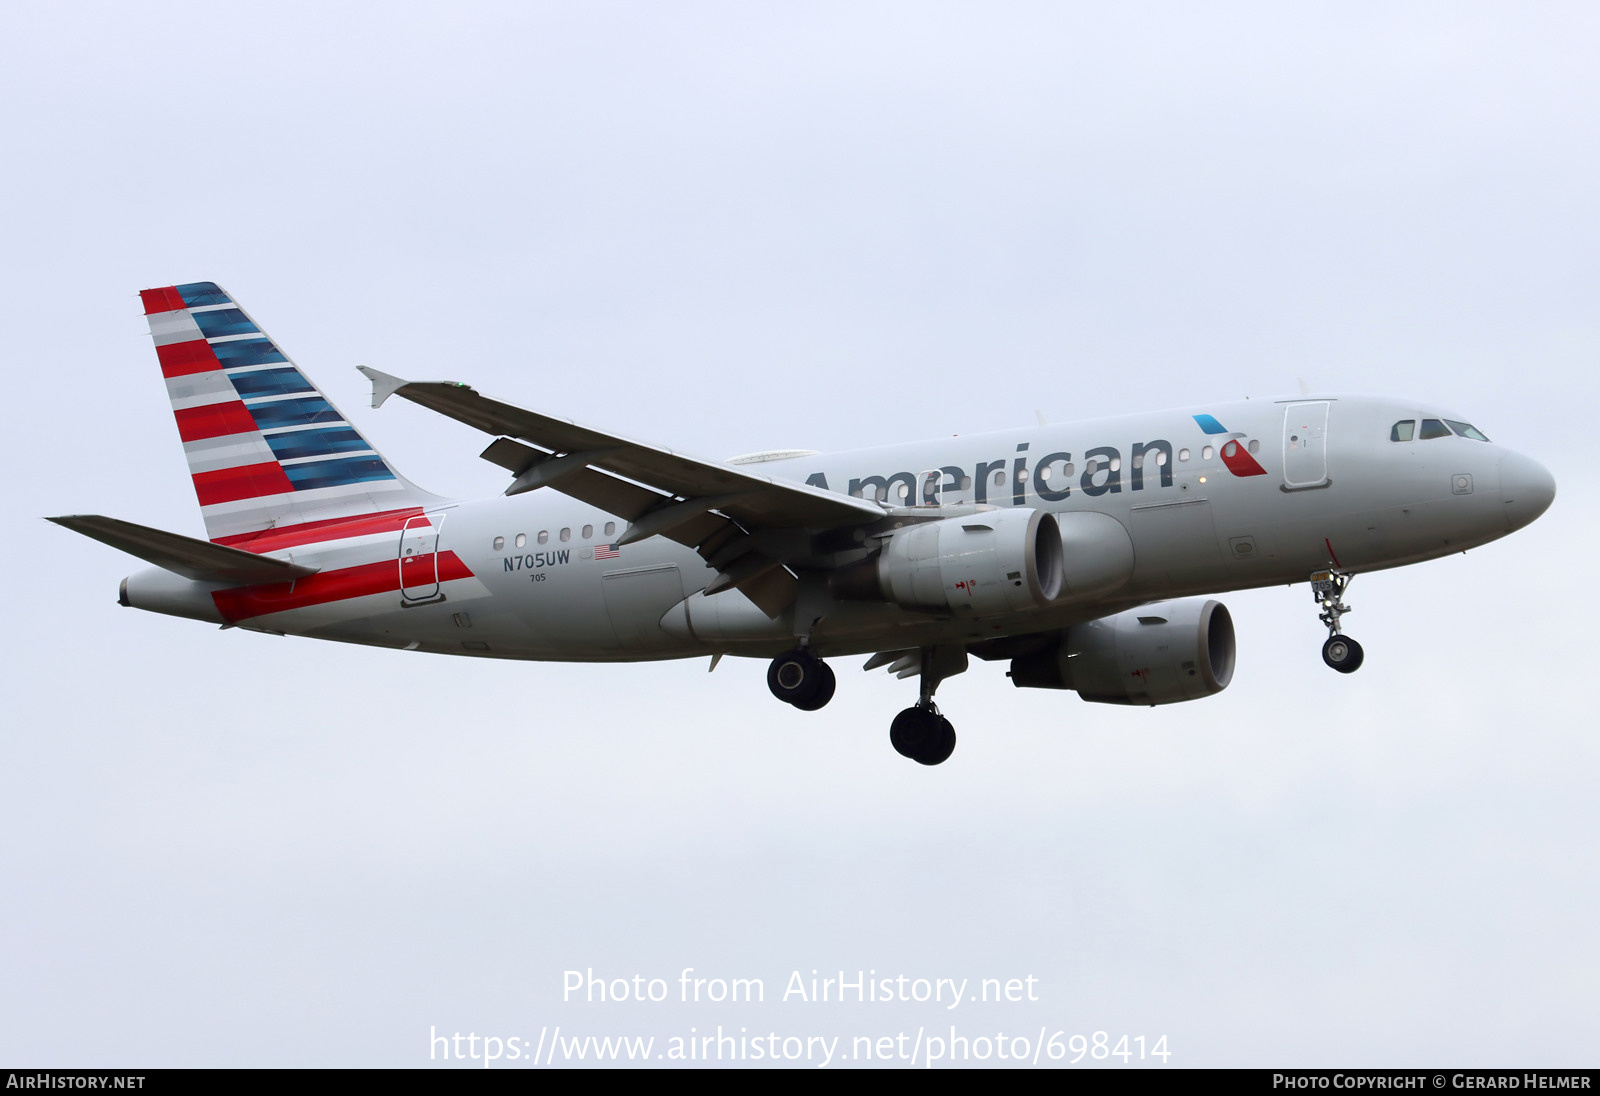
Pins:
x: 729, y: 227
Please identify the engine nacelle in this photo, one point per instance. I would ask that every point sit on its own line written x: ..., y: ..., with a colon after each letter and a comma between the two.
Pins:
x: 1156, y: 654
x: 1096, y: 553
x: 987, y: 564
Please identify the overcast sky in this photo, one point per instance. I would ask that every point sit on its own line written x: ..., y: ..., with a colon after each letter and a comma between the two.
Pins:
x: 729, y: 227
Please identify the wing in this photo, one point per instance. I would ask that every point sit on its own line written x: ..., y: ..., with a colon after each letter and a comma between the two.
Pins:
x: 727, y: 514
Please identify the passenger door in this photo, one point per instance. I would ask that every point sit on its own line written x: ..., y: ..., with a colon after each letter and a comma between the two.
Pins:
x: 419, y: 558
x: 1305, y: 445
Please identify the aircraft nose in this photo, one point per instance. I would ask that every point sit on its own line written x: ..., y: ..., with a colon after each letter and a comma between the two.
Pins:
x: 1526, y: 487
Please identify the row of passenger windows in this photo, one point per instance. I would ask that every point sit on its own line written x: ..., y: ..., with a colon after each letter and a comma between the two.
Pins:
x: 1406, y: 430
x: 563, y: 535
x: 1066, y: 471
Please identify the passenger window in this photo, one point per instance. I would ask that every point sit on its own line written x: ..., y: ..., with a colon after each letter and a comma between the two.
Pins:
x: 588, y: 531
x: 566, y: 535
x: 499, y: 543
x: 1403, y: 430
x: 999, y: 479
x: 611, y: 527
x: 1466, y: 430
x: 522, y: 538
x: 1433, y: 428
x: 1183, y: 454
x: 1255, y: 445
x: 544, y: 536
x: 1205, y: 454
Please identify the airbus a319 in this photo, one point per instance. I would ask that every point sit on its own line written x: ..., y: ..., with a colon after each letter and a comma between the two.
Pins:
x: 1082, y: 553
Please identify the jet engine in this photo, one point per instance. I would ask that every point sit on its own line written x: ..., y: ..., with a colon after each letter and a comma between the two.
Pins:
x: 1157, y: 654
x: 987, y: 564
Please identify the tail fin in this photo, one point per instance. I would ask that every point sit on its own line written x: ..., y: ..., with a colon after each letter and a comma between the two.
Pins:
x: 266, y: 449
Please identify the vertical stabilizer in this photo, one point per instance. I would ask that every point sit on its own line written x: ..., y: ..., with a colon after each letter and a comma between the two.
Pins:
x: 266, y: 449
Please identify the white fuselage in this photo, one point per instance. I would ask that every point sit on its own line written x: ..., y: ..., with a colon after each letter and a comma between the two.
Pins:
x: 1323, y: 485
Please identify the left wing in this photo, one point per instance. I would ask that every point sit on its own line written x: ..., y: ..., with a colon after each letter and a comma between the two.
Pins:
x: 720, y: 511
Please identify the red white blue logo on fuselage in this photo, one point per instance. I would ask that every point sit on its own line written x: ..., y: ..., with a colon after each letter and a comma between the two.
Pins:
x: 1235, y: 456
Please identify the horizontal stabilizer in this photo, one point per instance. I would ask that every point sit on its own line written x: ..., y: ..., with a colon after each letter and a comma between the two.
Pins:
x: 195, y: 559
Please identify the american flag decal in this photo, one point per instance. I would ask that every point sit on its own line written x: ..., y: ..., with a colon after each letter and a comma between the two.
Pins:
x: 606, y: 551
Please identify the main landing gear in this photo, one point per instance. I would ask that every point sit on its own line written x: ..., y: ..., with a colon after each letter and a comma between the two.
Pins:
x: 920, y: 732
x: 800, y: 678
x: 1340, y: 651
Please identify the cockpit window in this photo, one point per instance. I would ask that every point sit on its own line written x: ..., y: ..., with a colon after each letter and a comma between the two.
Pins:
x: 1404, y: 430
x: 1433, y: 428
x: 1466, y: 430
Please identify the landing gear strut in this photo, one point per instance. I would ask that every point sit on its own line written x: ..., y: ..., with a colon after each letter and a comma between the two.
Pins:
x: 1340, y: 651
x: 800, y: 678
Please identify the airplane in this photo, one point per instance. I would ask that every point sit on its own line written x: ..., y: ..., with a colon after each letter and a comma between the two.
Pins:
x: 1083, y: 554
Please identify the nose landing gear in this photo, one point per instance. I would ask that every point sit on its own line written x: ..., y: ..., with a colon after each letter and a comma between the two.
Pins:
x: 1340, y: 652
x: 1343, y: 654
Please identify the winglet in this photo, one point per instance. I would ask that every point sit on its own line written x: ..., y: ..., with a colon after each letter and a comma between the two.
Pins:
x: 383, y: 385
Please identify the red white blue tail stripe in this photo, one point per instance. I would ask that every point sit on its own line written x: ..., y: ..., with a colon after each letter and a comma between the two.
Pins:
x: 266, y: 448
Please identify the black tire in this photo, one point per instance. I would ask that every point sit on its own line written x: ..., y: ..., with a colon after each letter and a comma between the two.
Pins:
x: 922, y: 735
x: 1343, y: 654
x: 825, y: 686
x: 797, y: 677
x: 943, y: 746
x: 911, y: 732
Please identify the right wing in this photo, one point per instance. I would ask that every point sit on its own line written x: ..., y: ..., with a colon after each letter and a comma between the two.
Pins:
x: 720, y: 511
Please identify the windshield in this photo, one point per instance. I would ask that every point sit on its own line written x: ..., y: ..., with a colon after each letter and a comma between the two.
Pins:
x: 1466, y: 430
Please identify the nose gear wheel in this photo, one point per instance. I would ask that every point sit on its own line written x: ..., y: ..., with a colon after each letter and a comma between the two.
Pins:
x: 1343, y: 654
